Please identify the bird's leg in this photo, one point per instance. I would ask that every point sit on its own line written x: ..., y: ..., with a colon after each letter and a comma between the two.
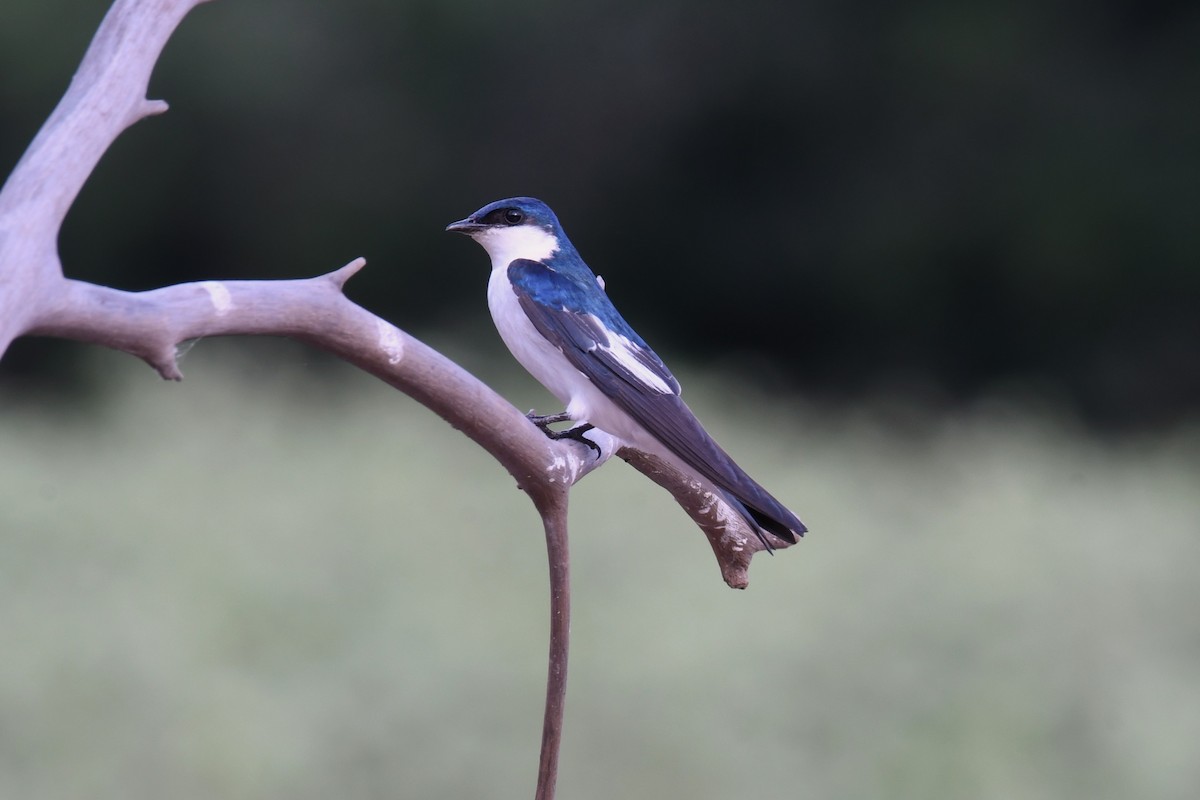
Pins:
x: 575, y: 434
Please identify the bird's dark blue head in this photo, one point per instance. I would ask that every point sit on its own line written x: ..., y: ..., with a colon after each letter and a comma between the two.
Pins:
x: 509, y: 213
x: 518, y: 227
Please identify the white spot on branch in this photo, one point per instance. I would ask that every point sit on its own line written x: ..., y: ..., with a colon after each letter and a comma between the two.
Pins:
x: 725, y: 517
x: 390, y: 342
x: 574, y: 460
x: 221, y: 299
x: 561, y: 465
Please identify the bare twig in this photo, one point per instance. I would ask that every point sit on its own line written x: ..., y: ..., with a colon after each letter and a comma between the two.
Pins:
x: 106, y: 96
x: 553, y: 508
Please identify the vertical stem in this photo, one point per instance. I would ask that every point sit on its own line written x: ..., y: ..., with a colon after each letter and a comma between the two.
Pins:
x: 553, y: 509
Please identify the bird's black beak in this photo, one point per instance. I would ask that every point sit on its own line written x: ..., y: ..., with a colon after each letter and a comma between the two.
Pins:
x: 467, y: 226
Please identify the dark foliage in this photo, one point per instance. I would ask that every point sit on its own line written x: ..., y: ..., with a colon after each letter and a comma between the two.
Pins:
x: 967, y: 197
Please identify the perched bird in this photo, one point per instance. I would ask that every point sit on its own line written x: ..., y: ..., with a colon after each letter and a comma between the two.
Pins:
x: 554, y: 315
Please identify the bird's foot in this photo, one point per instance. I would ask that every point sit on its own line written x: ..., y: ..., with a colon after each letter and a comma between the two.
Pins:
x: 544, y: 421
x: 575, y: 434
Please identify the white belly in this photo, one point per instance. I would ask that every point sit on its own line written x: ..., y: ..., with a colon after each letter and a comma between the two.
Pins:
x: 545, y: 362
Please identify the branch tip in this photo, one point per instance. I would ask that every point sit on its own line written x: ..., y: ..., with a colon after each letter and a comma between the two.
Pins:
x: 343, y: 274
x: 150, y: 108
x: 165, y: 363
x: 168, y: 371
x: 735, y: 575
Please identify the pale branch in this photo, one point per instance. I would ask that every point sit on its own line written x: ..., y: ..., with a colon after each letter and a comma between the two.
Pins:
x: 152, y: 325
x: 106, y: 95
x: 553, y: 510
x: 732, y: 540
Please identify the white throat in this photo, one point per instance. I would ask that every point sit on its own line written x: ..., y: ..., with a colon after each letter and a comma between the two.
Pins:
x: 506, y: 245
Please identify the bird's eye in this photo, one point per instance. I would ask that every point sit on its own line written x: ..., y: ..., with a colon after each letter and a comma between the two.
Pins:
x: 512, y: 216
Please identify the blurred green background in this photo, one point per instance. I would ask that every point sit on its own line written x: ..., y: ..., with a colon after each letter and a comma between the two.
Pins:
x: 927, y: 269
x: 261, y: 583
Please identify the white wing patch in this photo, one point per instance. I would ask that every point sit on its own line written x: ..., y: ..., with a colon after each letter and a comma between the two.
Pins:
x: 625, y: 353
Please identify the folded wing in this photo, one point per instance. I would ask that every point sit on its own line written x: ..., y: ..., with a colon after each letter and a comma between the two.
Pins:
x: 594, y: 337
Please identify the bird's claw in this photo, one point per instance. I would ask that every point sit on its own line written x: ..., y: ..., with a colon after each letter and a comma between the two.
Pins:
x: 575, y: 434
x: 543, y: 421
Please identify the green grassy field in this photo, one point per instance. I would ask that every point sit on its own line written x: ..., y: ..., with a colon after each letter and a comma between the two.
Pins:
x: 275, y: 582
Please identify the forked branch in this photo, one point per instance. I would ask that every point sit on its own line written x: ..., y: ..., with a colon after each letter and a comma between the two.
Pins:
x: 107, y: 95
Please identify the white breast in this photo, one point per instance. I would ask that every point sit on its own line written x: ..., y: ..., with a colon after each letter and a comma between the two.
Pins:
x: 545, y: 362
